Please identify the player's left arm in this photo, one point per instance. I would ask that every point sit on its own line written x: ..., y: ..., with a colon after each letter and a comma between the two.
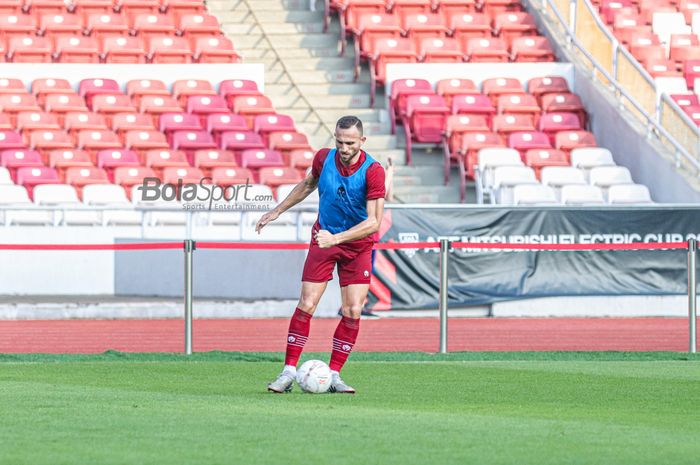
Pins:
x: 375, y: 212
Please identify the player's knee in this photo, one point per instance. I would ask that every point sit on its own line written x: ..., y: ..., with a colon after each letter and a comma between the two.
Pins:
x: 307, y: 304
x: 353, y: 310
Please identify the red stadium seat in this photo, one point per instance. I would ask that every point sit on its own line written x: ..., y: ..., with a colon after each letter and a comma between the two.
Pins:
x: 440, y: 50
x: 609, y: 8
x: 103, y: 25
x: 531, y: 49
x: 231, y: 176
x: 13, y: 103
x: 123, y: 122
x: 189, y: 175
x: 85, y: 8
x: 350, y: 11
x: 5, y: 123
x: 547, y: 85
x: 472, y: 142
x: 114, y: 158
x: 164, y: 158
x: 410, y: 7
x: 31, y: 120
x: 17, y: 25
x: 125, y: 50
x: 286, y: 142
x: 189, y: 141
x: 473, y: 105
x: 111, y: 104
x: 30, y: 177
x: 60, y: 24
x: 168, y: 50
x: 469, y: 25
x: 688, y: 8
x: 232, y: 88
x: 528, y: 140
x: 301, y: 159
x: 693, y: 111
x: 486, y: 50
x: 205, y: 105
x: 373, y: 26
x: 564, y: 102
x: 504, y: 125
x: 449, y: 8
x: 275, y: 177
x: 569, y: 140
x: 495, y: 87
x: 661, y: 68
x: 171, y: 122
x: 18, y: 158
x: 11, y: 7
x: 519, y: 104
x: 424, y: 121
x: 185, y: 88
x: 81, y: 120
x: 457, y: 125
x: 137, y: 6
x: 401, y: 89
x: 251, y: 106
x: 388, y: 51
x: 683, y: 47
x: 12, y: 86
x: 254, y: 159
x: 198, y: 25
x: 266, y: 124
x: 685, y: 100
x: 132, y: 176
x: 151, y: 25
x: 29, y: 50
x: 137, y: 88
x: 43, y: 87
x: 214, y: 50
x: 541, y: 158
x: 88, y: 88
x: 208, y: 159
x: 95, y: 140
x: 450, y: 87
x: 80, y: 177
x: 419, y: 26
x: 77, y: 50
x: 238, y: 141
x: 179, y: 7
x: 141, y: 141
x: 218, y: 123
x: 494, y: 7
x: 551, y: 123
x: 514, y: 24
x: 11, y: 140
x: 64, y: 159
x: 155, y: 105
x: 45, y: 140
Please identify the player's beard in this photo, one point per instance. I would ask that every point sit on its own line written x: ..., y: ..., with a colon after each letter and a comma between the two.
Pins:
x: 346, y: 159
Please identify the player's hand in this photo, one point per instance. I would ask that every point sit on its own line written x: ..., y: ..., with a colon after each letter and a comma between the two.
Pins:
x: 325, y: 239
x: 272, y: 215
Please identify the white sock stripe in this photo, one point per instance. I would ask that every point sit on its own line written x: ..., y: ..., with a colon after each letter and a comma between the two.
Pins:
x: 295, y: 345
x: 342, y: 342
x: 298, y: 336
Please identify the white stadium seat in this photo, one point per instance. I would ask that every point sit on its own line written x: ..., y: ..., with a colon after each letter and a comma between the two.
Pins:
x: 629, y: 193
x: 581, y: 195
x: 17, y: 196
x: 533, y: 194
x: 487, y: 161
x: 606, y: 176
x: 111, y: 195
x: 64, y: 196
x: 590, y: 157
x: 506, y: 177
x: 5, y: 176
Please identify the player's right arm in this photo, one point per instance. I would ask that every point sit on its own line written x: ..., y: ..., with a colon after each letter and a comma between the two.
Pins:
x: 299, y: 193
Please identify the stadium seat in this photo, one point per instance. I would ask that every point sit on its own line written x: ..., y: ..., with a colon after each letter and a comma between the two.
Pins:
x: 30, y: 177
x: 514, y: 24
x: 486, y: 49
x: 488, y: 159
x: 286, y: 142
x: 685, y: 100
x: 255, y: 159
x: 542, y: 86
x: 205, y: 105
x: 14, y: 159
x: 238, y: 141
x: 504, y: 125
x: 219, y: 123
x: 60, y: 104
x: 606, y: 176
x: 138, y: 88
x: 505, y: 178
x: 43, y: 87
x: 179, y: 7
x: 85, y: 8
x: 109, y: 105
x: 424, y: 121
x: 147, y: 25
x: 164, y: 158
x: 629, y: 194
x: 581, y: 195
x: 17, y: 25
x: 66, y: 197
x: 95, y: 140
x: 5, y: 177
x: 193, y: 26
x: 439, y: 50
x: 155, y: 105
x: 231, y: 176
x: 10, y: 140
x: 111, y: 195
x: 522, y: 141
x: 274, y: 177
x: 457, y: 125
x: 371, y: 27
x: 45, y: 140
x: 388, y: 51
x: 301, y: 159
x: 551, y: 123
x: 70, y: 158
x: 185, y: 88
x: 251, y: 106
x: 125, y: 50
x: 115, y: 158
x: 214, y: 50
x: 569, y: 140
x: 32, y: 120
x: 168, y: 50
x: 469, y: 25
x: 473, y: 105
x: 451, y: 87
x: 540, y: 158
x: 531, y: 49
x: 129, y: 177
x: 521, y: 104
x: 141, y: 141
x: 60, y: 25
x: 81, y: 120
x: 77, y: 50
x: 564, y: 102
x: 88, y: 88
x: 18, y: 196
x: 104, y: 25
x: 171, y: 122
x: 123, y: 122
x: 495, y: 87
x: 12, y: 86
x: 189, y: 141
x: 683, y: 47
x: 401, y: 89
x: 232, y: 88
x: 533, y: 194
x: 13, y: 103
x: 189, y: 175
x: 691, y: 72
x: 267, y: 124
x: 588, y: 158
x: 559, y: 176
x: 208, y: 159
x: 137, y: 6
x: 419, y: 26
x: 472, y: 143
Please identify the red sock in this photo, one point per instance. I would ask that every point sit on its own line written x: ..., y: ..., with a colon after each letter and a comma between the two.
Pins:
x: 343, y: 342
x: 298, y: 334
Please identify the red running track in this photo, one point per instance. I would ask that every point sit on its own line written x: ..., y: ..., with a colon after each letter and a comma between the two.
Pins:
x: 389, y: 334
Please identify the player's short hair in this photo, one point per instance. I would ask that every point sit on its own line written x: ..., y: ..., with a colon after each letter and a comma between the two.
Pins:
x: 346, y: 122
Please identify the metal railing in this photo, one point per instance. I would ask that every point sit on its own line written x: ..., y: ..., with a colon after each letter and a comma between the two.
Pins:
x: 612, y: 65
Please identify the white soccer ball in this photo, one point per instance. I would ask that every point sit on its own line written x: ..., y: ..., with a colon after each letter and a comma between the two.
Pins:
x: 314, y: 376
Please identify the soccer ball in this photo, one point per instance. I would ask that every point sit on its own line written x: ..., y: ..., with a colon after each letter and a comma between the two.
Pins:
x: 314, y: 376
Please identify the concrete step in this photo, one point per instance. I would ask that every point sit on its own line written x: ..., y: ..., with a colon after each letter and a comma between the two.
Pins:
x: 241, y: 29
x: 398, y: 157
x: 260, y: 6
x: 277, y: 28
x: 355, y: 88
x: 304, y: 41
x: 293, y: 53
x: 326, y: 76
x: 293, y: 99
x: 314, y: 64
x: 332, y: 115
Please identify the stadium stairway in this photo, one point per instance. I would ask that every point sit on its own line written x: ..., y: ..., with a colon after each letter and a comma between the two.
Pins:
x: 306, y: 79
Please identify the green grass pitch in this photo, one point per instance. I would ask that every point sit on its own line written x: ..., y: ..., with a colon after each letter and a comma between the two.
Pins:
x: 461, y: 408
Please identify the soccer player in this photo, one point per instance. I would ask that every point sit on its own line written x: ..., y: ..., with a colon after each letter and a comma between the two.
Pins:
x: 351, y: 192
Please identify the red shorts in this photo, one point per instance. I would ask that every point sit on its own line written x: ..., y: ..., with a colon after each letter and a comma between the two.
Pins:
x: 354, y: 264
